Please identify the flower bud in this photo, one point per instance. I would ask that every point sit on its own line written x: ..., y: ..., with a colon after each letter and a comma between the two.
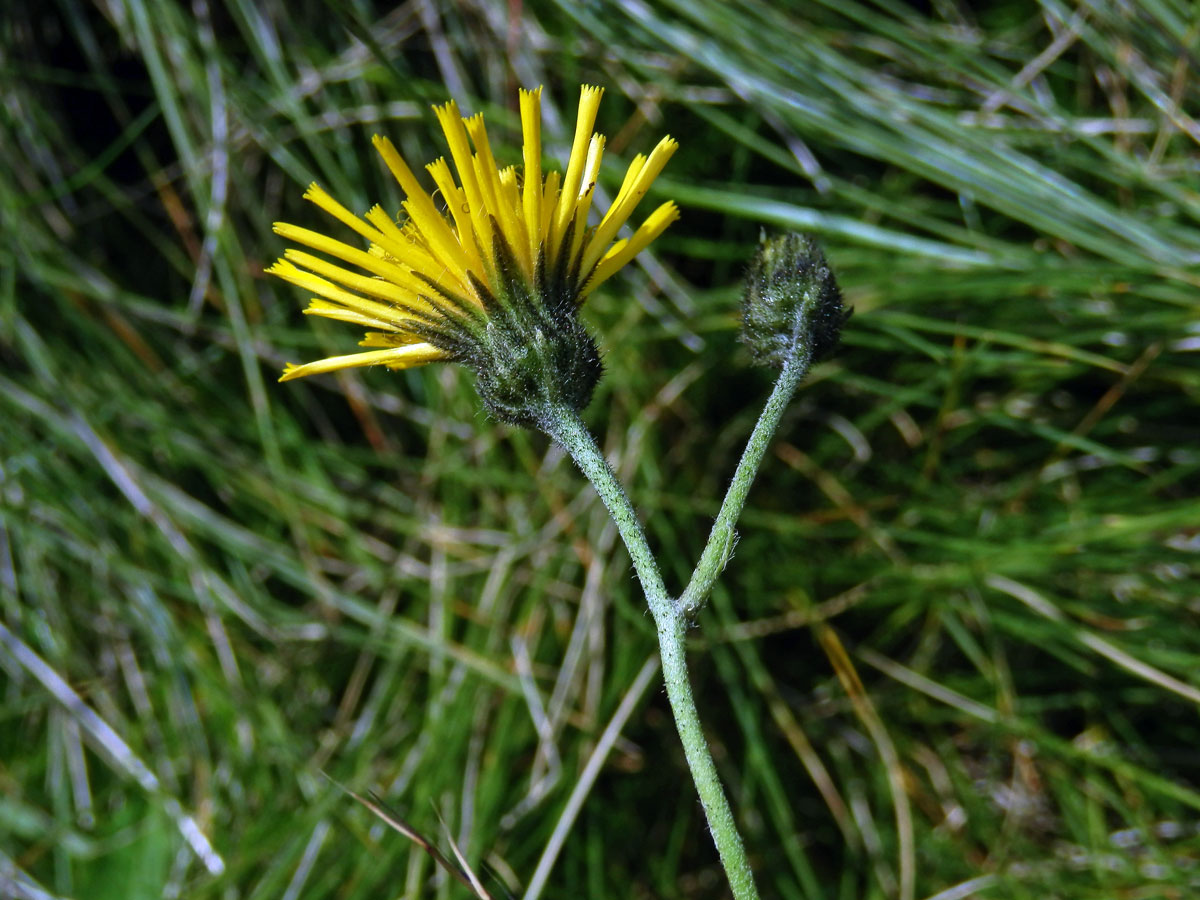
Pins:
x: 792, y: 312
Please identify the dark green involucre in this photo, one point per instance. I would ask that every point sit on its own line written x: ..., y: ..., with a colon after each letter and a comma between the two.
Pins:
x: 792, y: 311
x: 530, y: 352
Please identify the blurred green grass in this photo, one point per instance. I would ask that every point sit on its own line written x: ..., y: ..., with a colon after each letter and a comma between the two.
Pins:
x: 221, y: 598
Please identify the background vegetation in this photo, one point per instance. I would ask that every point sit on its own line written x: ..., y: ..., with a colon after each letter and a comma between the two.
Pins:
x: 956, y: 652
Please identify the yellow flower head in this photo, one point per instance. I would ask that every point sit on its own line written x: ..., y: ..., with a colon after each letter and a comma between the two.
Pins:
x: 490, y: 270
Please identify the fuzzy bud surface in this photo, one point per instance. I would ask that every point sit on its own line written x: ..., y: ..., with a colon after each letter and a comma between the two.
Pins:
x: 792, y: 310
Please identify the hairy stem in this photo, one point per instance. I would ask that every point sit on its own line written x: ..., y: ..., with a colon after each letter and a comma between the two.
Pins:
x: 565, y: 427
x: 722, y: 537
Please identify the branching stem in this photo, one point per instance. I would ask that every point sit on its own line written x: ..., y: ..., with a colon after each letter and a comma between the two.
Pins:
x: 565, y: 427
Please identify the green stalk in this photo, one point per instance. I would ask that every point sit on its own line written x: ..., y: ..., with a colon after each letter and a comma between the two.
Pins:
x: 565, y: 427
x: 723, y: 536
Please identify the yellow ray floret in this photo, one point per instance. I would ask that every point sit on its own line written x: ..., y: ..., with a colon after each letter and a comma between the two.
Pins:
x: 394, y: 358
x: 425, y: 282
